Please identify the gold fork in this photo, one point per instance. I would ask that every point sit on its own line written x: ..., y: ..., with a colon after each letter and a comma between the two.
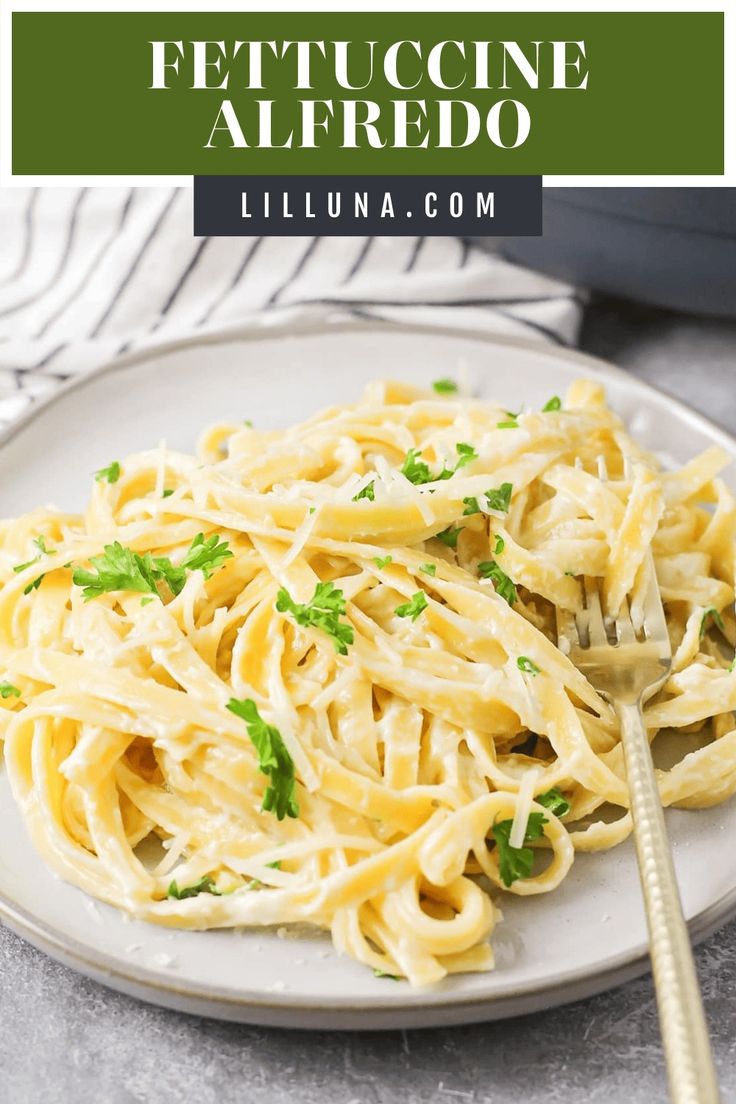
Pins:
x: 627, y: 666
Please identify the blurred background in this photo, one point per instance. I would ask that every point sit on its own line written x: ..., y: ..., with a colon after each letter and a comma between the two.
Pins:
x: 659, y: 265
x: 645, y: 277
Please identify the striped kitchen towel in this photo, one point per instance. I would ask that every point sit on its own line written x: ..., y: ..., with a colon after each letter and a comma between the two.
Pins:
x: 89, y: 274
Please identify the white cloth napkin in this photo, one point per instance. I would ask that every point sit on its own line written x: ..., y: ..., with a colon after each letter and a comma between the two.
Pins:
x: 89, y: 274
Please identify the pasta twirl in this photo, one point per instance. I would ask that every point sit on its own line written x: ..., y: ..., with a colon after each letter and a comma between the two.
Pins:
x: 311, y: 676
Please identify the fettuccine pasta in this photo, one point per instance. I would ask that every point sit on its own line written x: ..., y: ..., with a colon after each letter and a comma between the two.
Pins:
x: 311, y: 676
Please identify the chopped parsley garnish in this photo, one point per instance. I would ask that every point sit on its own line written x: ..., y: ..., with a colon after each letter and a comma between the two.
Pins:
x: 21, y: 567
x: 204, y: 885
x: 416, y: 470
x: 466, y: 453
x: 369, y: 492
x: 528, y: 666
x: 499, y: 545
x: 555, y: 403
x: 117, y: 568
x: 497, y: 498
x: 276, y: 865
x: 7, y: 690
x: 110, y: 474
x: 428, y: 569
x: 273, y: 760
x: 555, y: 801
x: 516, y: 862
x: 504, y: 586
x: 449, y: 536
x: 40, y: 543
x: 413, y: 608
x: 511, y: 421
x: 121, y: 569
x: 322, y: 611
x: 383, y: 974
x: 204, y: 555
x: 247, y: 423
x: 711, y: 611
x: 382, y: 561
x: 167, y: 492
x: 445, y: 387
x: 36, y: 582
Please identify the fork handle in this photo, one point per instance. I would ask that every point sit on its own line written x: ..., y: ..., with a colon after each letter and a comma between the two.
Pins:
x: 690, y: 1069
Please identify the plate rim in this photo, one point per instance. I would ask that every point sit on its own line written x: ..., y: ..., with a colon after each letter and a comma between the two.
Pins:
x: 280, y: 1008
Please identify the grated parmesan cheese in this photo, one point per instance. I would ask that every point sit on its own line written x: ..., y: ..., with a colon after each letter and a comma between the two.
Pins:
x: 523, y: 808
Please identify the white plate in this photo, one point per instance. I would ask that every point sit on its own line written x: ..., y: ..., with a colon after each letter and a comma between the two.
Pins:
x: 586, y: 936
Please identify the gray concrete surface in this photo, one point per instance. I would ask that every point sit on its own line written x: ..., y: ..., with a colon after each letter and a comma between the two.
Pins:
x: 65, y: 1039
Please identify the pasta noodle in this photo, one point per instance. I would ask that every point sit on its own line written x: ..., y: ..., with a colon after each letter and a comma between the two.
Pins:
x: 311, y: 676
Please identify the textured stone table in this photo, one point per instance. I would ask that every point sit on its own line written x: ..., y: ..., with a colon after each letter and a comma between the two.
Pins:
x: 65, y: 1039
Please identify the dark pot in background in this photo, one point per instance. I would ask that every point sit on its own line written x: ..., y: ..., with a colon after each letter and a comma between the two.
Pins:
x: 672, y: 247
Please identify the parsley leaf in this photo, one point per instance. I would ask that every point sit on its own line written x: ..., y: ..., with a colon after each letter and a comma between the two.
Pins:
x: 428, y: 569
x: 40, y: 543
x: 383, y: 974
x: 416, y: 470
x: 511, y: 421
x: 497, y: 498
x: 206, y: 555
x: 466, y: 453
x: 711, y: 611
x: 167, y: 492
x: 273, y: 760
x: 413, y: 608
x: 499, y: 545
x: 110, y: 474
x: 382, y: 561
x: 21, y: 567
x: 449, y: 536
x: 202, y: 555
x: 555, y: 801
x: 528, y: 666
x: 504, y: 586
x: 368, y: 492
x: 119, y: 568
x: 516, y: 862
x: 444, y: 387
x: 204, y: 885
x: 555, y: 403
x: 322, y: 611
x: 7, y: 690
